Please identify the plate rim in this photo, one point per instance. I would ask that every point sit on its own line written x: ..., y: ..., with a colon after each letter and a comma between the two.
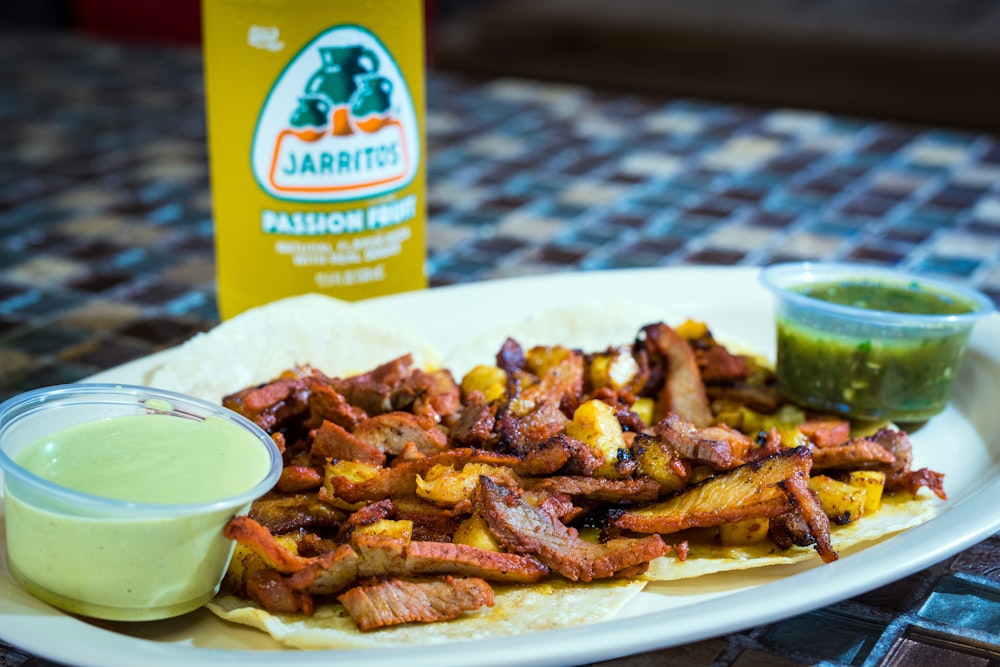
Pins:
x: 925, y: 542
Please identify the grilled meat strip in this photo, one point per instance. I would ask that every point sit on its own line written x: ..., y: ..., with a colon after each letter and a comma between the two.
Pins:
x: 368, y: 555
x: 749, y: 491
x: 683, y: 391
x: 524, y: 529
x: 396, y: 601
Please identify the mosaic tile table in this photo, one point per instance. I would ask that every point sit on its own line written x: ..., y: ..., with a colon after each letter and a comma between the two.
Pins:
x: 106, y: 247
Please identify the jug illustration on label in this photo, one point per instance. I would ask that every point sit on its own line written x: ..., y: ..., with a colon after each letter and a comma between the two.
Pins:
x: 338, y: 124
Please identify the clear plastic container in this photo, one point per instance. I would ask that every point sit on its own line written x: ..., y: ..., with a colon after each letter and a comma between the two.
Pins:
x: 864, y: 357
x: 192, y: 464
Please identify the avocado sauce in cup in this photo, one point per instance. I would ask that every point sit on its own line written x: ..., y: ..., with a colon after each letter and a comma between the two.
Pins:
x: 116, y: 496
x: 868, y: 342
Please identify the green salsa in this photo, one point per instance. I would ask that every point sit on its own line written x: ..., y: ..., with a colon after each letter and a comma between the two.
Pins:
x: 869, y: 370
x: 868, y: 378
x: 904, y: 298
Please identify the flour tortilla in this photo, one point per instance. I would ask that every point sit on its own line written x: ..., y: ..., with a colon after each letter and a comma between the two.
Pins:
x: 336, y: 337
x: 340, y: 339
x: 518, y: 610
x: 899, y: 512
x: 591, y: 326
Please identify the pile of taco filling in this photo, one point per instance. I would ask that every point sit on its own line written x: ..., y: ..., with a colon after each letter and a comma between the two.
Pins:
x: 407, y: 492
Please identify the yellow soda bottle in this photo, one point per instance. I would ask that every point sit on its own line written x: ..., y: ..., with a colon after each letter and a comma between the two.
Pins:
x: 316, y: 144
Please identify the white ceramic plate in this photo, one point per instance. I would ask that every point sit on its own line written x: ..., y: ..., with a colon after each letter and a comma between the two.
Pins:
x: 963, y: 442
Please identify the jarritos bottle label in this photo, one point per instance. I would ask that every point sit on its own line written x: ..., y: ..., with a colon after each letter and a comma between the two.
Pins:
x: 338, y: 125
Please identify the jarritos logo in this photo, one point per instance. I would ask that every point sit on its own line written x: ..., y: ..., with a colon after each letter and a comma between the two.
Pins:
x: 339, y: 123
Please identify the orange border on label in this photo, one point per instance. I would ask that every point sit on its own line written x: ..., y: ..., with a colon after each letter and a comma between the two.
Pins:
x: 333, y: 188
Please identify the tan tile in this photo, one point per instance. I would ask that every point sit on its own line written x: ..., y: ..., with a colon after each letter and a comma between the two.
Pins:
x: 102, y: 316
x: 86, y: 198
x: 13, y: 361
x: 936, y: 154
x: 741, y: 153
x: 449, y: 236
x: 673, y: 122
x: 592, y: 193
x: 534, y: 228
x: 740, y: 237
x: 651, y: 163
x: 957, y: 243
x: 193, y: 271
x: 809, y: 246
x: 91, y: 226
x: 121, y: 230
x: 518, y: 270
x: 176, y: 171
x: 499, y: 147
x: 45, y: 271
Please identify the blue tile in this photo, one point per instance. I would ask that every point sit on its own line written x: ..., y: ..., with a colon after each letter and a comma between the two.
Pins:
x: 964, y: 604
x: 948, y: 266
x: 826, y: 635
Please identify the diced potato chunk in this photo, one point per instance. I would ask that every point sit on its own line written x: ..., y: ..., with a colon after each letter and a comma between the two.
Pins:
x: 490, y: 380
x: 475, y: 533
x: 692, y: 330
x: 841, y: 502
x: 595, y: 424
x: 541, y: 359
x: 741, y: 533
x: 354, y: 471
x: 401, y: 530
x: 446, y: 487
x: 615, y: 369
x: 658, y: 463
x: 589, y: 534
x: 873, y: 482
x: 289, y: 542
x: 644, y: 408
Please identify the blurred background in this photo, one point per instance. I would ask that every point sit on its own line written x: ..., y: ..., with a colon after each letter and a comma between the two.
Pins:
x: 928, y: 61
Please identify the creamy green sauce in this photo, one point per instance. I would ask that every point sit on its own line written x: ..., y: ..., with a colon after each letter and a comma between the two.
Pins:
x: 131, y: 567
x: 150, y: 458
x: 904, y: 298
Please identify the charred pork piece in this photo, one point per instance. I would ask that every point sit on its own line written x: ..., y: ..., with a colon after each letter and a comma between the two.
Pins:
x: 858, y: 454
x: 806, y: 504
x: 510, y: 358
x: 295, y: 479
x: 271, y: 404
x: 372, y: 391
x: 287, y: 513
x: 390, y: 431
x: 901, y: 476
x: 272, y: 591
x: 683, y: 392
x: 397, y: 601
x: 370, y: 555
x: 720, y: 447
x: 825, y: 433
x: 332, y: 441
x: 474, y: 422
x: 399, y: 481
x: 524, y: 529
x: 717, y: 364
x: 750, y: 491
x: 518, y: 434
x: 616, y: 491
x: 432, y: 394
x: 326, y: 404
